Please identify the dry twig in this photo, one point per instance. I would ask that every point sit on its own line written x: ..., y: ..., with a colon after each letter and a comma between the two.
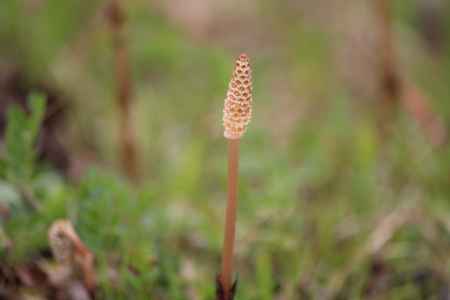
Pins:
x: 68, y: 249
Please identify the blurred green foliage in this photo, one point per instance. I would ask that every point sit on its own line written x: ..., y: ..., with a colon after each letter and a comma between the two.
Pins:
x: 314, y: 186
x: 20, y: 139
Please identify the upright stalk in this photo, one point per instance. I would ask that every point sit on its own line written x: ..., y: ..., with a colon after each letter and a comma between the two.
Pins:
x: 389, y: 77
x: 230, y: 218
x: 389, y: 83
x: 397, y: 90
x: 124, y: 90
x: 236, y: 116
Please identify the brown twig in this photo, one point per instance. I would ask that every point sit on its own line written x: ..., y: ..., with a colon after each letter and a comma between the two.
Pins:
x: 85, y: 259
x: 69, y: 249
x: 124, y: 86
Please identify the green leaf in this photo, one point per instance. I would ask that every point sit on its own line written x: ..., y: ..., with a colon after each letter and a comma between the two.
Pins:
x: 37, y: 105
x: 20, y: 138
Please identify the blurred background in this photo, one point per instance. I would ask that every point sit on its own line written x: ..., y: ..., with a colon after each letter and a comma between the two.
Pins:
x: 344, y: 172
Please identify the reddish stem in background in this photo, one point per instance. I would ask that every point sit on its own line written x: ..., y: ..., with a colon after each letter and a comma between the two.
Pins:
x: 230, y: 218
x: 395, y: 89
x: 417, y: 105
x: 389, y: 77
x: 124, y: 86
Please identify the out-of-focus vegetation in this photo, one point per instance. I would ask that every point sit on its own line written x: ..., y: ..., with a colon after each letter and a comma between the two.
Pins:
x: 329, y: 208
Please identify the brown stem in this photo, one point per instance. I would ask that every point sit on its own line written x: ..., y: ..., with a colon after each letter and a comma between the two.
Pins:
x: 389, y: 77
x: 417, y: 105
x: 128, y: 152
x: 87, y: 265
x: 396, y: 91
x: 230, y: 218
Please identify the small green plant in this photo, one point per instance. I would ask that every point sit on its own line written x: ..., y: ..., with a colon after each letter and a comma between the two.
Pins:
x: 20, y: 138
x: 23, y: 231
x: 18, y: 164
